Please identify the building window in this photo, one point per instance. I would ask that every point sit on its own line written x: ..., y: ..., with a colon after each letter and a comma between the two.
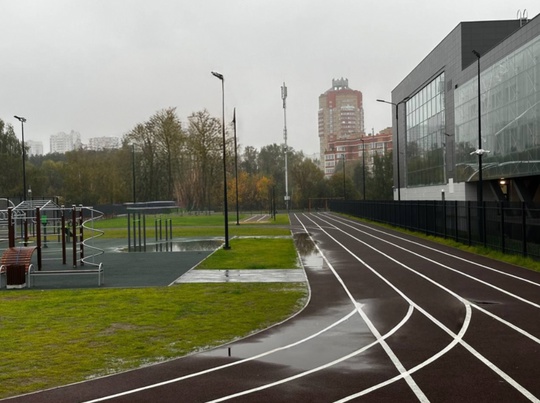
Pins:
x: 510, y: 106
x: 425, y: 135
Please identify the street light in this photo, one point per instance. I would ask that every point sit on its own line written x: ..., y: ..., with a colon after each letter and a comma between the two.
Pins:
x: 236, y: 167
x: 397, y: 140
x: 22, y: 120
x: 284, y: 98
x: 344, y: 193
x: 480, y: 150
x: 363, y: 167
x: 225, y: 209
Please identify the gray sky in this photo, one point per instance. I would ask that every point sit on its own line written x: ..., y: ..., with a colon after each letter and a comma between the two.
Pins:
x: 99, y: 67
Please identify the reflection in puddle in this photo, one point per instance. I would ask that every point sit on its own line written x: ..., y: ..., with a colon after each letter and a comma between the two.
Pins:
x: 207, y: 245
x: 308, y: 252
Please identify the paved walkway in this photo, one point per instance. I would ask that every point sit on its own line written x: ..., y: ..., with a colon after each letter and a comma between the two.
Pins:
x: 243, y: 276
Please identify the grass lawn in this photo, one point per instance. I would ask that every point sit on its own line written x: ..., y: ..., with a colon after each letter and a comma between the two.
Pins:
x: 52, y: 338
x: 56, y: 337
x: 195, y: 226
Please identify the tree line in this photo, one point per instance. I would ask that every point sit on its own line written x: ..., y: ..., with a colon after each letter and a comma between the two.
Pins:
x: 163, y: 158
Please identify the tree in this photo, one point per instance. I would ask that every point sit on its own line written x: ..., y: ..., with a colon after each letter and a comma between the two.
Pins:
x: 10, y: 161
x: 249, y: 160
x: 205, y: 145
x: 309, y: 182
x: 380, y: 185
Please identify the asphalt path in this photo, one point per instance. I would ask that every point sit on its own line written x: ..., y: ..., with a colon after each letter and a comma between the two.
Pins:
x: 391, y: 318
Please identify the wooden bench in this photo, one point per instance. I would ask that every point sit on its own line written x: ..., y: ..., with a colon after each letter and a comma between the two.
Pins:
x: 32, y: 273
x: 16, y: 256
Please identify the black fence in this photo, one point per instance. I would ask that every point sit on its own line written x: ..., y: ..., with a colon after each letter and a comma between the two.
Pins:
x: 512, y: 228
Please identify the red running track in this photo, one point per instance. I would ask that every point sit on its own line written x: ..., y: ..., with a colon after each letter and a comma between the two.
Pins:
x: 391, y: 318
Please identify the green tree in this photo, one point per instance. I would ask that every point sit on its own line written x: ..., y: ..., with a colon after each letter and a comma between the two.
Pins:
x: 11, y: 182
x: 309, y: 182
x: 381, y: 181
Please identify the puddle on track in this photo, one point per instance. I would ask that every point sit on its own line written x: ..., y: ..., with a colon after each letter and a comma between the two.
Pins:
x: 308, y: 252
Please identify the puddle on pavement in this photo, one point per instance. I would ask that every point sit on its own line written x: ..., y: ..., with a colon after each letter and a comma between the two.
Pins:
x: 308, y: 252
x: 176, y: 246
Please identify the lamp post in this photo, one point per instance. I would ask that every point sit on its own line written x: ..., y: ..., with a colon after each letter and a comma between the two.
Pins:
x: 284, y: 98
x: 133, y: 172
x: 236, y: 167
x: 22, y: 120
x: 344, y: 192
x: 225, y: 208
x: 480, y: 150
x: 396, y: 105
x: 363, y: 167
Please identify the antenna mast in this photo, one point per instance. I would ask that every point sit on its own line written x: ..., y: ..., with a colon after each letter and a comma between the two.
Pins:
x: 284, y: 98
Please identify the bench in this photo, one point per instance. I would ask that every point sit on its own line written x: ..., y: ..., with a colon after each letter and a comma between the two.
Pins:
x: 32, y: 273
x: 16, y: 256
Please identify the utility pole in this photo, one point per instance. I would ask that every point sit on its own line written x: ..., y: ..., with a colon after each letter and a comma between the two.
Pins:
x: 284, y: 98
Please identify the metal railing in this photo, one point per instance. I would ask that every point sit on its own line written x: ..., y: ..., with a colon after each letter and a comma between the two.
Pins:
x: 512, y: 228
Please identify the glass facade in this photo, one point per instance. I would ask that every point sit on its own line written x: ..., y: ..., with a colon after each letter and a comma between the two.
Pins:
x: 425, y: 139
x: 510, y: 108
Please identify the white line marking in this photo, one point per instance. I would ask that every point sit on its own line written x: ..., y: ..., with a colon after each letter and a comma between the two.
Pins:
x: 475, y: 353
x: 343, y: 220
x: 313, y: 370
x: 213, y: 369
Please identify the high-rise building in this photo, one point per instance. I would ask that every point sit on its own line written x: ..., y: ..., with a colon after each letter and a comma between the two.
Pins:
x: 34, y: 147
x: 341, y: 119
x: 62, y: 142
x: 103, y: 143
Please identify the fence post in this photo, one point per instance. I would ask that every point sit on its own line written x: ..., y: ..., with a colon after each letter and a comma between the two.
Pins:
x: 524, y: 227
x: 469, y: 222
x: 503, y: 246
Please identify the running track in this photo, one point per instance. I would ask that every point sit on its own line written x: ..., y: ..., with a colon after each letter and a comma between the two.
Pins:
x: 391, y: 319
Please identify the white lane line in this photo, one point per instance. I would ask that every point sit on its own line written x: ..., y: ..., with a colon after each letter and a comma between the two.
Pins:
x: 320, y: 368
x: 526, y: 301
x: 357, y: 309
x: 475, y: 353
x: 343, y: 221
x: 263, y: 217
x: 395, y: 360
x: 433, y: 358
x: 213, y: 369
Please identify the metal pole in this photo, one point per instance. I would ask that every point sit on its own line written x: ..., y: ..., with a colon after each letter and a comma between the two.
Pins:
x: 133, y: 172
x: 480, y: 182
x: 480, y: 151
x: 284, y: 98
x: 344, y: 192
x: 22, y: 120
x: 397, y: 145
x: 225, y: 207
x: 236, y: 168
x: 363, y: 168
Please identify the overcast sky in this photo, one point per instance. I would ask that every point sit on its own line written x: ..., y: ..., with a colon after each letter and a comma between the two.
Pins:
x: 99, y: 67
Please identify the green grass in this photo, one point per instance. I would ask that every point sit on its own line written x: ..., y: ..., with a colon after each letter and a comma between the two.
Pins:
x: 50, y: 338
x: 196, y: 226
x: 258, y: 253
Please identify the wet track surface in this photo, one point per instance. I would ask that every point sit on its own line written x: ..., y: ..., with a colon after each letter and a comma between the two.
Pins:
x: 391, y: 318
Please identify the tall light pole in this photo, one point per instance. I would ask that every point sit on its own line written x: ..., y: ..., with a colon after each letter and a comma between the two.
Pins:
x: 133, y: 172
x: 225, y: 207
x: 363, y: 167
x: 480, y: 150
x: 236, y: 167
x: 22, y: 120
x: 344, y: 191
x: 396, y: 105
x: 284, y: 98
